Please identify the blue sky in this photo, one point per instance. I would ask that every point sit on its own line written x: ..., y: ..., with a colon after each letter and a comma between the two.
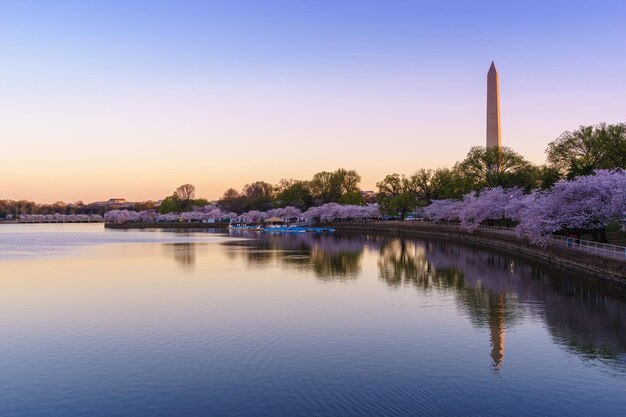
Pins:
x: 99, y: 98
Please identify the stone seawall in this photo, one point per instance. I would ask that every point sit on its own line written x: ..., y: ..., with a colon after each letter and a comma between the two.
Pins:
x: 613, y: 270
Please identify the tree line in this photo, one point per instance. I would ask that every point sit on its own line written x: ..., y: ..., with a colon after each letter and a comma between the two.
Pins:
x: 572, y: 154
x: 340, y: 186
x: 15, y: 208
x: 584, y: 204
x: 328, y: 212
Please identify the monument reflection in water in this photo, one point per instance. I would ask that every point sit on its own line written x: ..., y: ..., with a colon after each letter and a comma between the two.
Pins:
x: 493, y: 289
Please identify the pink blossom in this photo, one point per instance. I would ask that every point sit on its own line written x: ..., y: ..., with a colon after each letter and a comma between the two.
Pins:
x: 444, y: 210
x: 490, y: 204
x: 586, y: 202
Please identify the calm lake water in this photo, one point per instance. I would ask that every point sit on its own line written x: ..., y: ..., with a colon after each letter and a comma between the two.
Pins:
x: 97, y: 322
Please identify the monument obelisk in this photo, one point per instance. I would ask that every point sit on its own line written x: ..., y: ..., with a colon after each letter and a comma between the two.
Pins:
x: 493, y: 108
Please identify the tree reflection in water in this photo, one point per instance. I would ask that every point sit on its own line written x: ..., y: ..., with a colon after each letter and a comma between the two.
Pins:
x: 184, y: 254
x: 493, y: 289
x: 496, y: 291
x: 329, y: 257
x: 405, y: 262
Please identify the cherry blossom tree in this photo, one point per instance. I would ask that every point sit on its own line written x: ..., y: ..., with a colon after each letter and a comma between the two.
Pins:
x: 332, y: 211
x: 517, y: 207
x: 253, y: 216
x: 489, y: 204
x: 285, y: 213
x: 586, y: 203
x: 59, y: 218
x: 444, y: 210
x: 148, y: 216
x: 231, y: 216
x: 205, y: 209
x: 116, y: 216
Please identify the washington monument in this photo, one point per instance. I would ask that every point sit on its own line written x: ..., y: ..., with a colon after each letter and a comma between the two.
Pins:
x: 493, y: 108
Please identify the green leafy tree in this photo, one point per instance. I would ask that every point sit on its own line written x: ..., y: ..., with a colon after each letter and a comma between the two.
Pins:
x: 450, y: 184
x: 170, y: 204
x: 427, y: 185
x: 396, y: 195
x: 348, y: 181
x: 493, y: 167
x: 589, y: 148
x: 294, y: 193
x: 142, y: 205
x: 325, y: 187
x: 185, y: 195
x: 199, y: 202
x: 231, y: 201
x: 329, y: 187
x: 258, y: 195
x: 353, y: 198
x: 547, y: 176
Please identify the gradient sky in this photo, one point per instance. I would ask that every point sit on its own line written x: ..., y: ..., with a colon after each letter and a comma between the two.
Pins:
x: 102, y: 99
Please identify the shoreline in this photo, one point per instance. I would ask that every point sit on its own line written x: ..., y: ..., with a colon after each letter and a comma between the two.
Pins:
x: 607, y: 269
x: 165, y: 225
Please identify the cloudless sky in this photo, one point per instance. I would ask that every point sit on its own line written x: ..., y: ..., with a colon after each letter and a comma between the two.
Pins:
x: 102, y: 99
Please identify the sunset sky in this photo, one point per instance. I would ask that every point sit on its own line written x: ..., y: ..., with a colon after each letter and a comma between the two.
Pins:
x: 102, y: 99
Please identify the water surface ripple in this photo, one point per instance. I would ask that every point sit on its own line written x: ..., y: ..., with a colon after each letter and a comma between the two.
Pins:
x: 101, y: 322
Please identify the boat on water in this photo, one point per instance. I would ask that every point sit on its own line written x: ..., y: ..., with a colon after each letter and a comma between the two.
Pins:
x: 277, y: 225
x: 285, y: 229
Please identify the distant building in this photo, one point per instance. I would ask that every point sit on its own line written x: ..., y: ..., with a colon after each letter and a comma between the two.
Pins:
x: 117, y: 200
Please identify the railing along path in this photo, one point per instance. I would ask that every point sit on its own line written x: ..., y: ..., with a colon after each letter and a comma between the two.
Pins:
x: 588, y: 246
